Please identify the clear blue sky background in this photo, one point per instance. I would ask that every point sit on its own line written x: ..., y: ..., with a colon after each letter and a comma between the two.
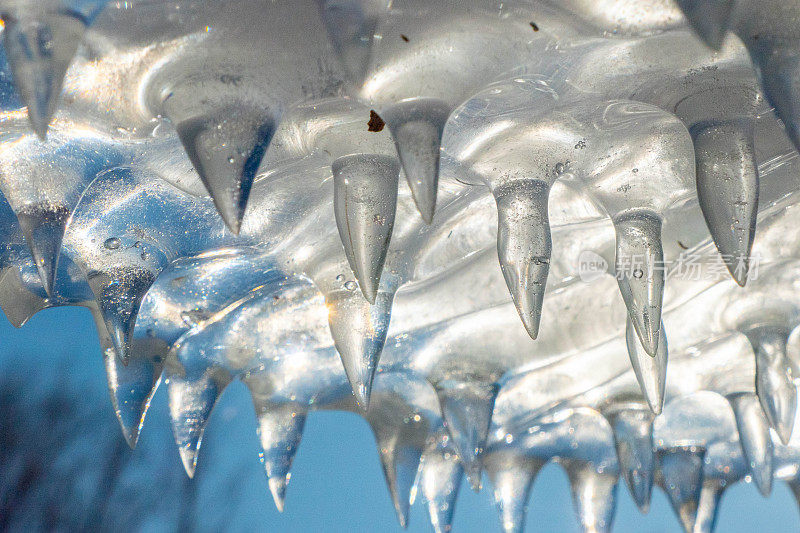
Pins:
x: 337, y: 483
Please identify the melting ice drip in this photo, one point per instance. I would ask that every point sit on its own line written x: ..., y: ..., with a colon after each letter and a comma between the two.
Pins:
x: 220, y: 184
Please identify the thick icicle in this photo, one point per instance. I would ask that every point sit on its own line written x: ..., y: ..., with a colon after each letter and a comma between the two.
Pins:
x: 365, y: 201
x: 681, y: 470
x: 524, y: 245
x: 43, y: 226
x: 39, y: 49
x: 594, y: 494
x: 351, y: 26
x: 226, y: 147
x: 440, y: 477
x: 417, y: 125
x: 755, y: 438
x: 190, y: 404
x: 467, y: 408
x: 727, y: 187
x: 633, y: 436
x: 709, y: 18
x: 774, y: 386
x: 640, y: 272
x: 359, y: 333
x: 280, y: 429
x: 512, y: 475
x: 651, y: 371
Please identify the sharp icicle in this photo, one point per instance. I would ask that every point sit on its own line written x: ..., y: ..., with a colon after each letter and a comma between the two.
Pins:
x: 351, y: 26
x: 651, y: 371
x: 774, y: 386
x: 681, y: 470
x: 727, y: 187
x: 467, y: 409
x: 359, y: 333
x: 512, y: 476
x: 365, y: 201
x: 755, y: 439
x: 39, y: 50
x: 640, y: 273
x: 709, y: 18
x: 524, y: 245
x: 43, y: 226
x: 633, y: 436
x: 190, y: 404
x: 440, y: 478
x: 417, y: 125
x: 594, y: 494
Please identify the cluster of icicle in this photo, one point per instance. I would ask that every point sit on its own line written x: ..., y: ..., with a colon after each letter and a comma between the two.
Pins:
x: 219, y: 183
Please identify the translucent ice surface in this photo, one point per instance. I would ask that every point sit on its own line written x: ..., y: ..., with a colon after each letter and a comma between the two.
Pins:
x: 504, y: 232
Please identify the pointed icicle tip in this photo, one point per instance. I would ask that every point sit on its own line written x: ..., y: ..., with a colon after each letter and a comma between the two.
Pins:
x: 440, y: 477
x: 727, y: 187
x: 39, y: 51
x: 633, y: 435
x: 594, y: 495
x: 190, y: 405
x: 364, y: 202
x: 351, y: 26
x: 417, y: 125
x: 359, y: 333
x: 280, y: 430
x: 709, y: 19
x: 755, y: 439
x: 467, y: 408
x: 774, y: 386
x: 43, y: 227
x: 682, y: 479
x: 524, y: 246
x: 132, y: 387
x: 512, y: 476
x: 639, y: 270
x: 119, y: 293
x: 651, y: 372
x: 226, y: 149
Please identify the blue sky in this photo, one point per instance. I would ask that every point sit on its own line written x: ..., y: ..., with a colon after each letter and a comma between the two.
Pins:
x: 337, y: 483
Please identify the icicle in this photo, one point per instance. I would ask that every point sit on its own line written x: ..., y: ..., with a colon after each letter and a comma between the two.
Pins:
x: 119, y: 294
x: 440, y: 477
x: 365, y: 200
x: 727, y: 187
x: 774, y: 387
x: 18, y: 303
x: 39, y: 49
x: 131, y: 386
x: 524, y: 245
x: 710, y: 497
x: 633, y: 436
x: 225, y: 146
x: 351, y: 25
x: 709, y: 18
x: 190, y: 404
x: 594, y: 494
x: 359, y: 333
x: 401, y: 438
x: 417, y: 125
x: 43, y: 226
x: 512, y: 475
x: 682, y: 479
x: 755, y: 438
x: 279, y: 428
x: 651, y: 372
x: 779, y: 72
x: 467, y: 407
x: 640, y: 272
